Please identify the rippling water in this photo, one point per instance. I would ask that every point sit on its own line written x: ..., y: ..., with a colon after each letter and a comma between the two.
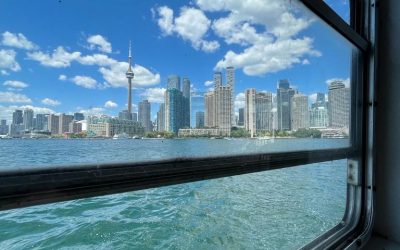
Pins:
x: 280, y: 209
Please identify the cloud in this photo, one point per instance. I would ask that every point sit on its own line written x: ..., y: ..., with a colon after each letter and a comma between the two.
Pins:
x: 208, y: 83
x: 154, y: 95
x: 15, y: 84
x: 17, y: 40
x: 4, y: 72
x: 99, y: 42
x: 50, y: 102
x: 92, y: 111
x: 346, y: 81
x: 59, y: 58
x: 110, y: 104
x: 8, y: 62
x: 10, y: 97
x: 62, y: 77
x: 85, y: 81
x: 6, y: 111
x: 191, y: 25
x: 96, y: 59
x: 240, y: 100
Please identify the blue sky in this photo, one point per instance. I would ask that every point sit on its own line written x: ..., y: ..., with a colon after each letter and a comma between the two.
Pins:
x: 69, y: 56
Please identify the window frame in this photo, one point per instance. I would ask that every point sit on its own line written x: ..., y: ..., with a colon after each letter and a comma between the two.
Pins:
x: 21, y: 188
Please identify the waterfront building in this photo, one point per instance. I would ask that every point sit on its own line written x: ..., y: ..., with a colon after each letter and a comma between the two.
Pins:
x: 230, y: 81
x: 174, y: 82
x: 64, y: 121
x: 223, y: 101
x: 240, y: 121
x: 108, y: 127
x: 202, y: 132
x: 186, y: 102
x: 79, y: 116
x: 299, y: 112
x: 161, y: 118
x: 134, y: 116
x: 17, y: 130
x: 129, y: 75
x: 53, y: 123
x: 284, y: 95
x: 173, y: 110
x: 28, y: 119
x: 319, y: 117
x: 75, y: 127
x: 144, y: 115
x: 41, y: 122
x: 17, y: 117
x: 264, y: 116
x: 196, y: 105
x: 3, y: 127
x: 250, y: 111
x: 199, y: 119
x: 339, y: 105
x: 209, y: 114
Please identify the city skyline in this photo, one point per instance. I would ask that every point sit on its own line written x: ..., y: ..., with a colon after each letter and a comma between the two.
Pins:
x: 56, y: 74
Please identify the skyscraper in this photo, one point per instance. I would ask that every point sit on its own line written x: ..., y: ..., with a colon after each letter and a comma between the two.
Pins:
x: 230, y: 81
x: 339, y: 105
x: 174, y: 82
x: 63, y: 123
x: 223, y: 101
x: 161, y: 118
x: 264, y: 116
x: 186, y: 102
x: 217, y: 80
x: 17, y: 117
x: 319, y: 117
x: 28, y: 119
x: 129, y: 74
x: 299, y: 112
x: 250, y: 111
x: 209, y: 114
x: 284, y: 94
x: 241, y: 117
x: 3, y: 127
x: 196, y: 104
x: 144, y: 115
x: 79, y: 116
x: 199, y: 119
x: 41, y: 122
x: 53, y: 124
x: 173, y: 110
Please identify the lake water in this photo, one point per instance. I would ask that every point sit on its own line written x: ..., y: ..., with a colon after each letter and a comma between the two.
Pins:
x: 280, y: 209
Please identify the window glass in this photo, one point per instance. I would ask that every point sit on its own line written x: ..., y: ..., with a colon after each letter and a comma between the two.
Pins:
x: 342, y: 8
x: 205, y: 79
x: 279, y: 209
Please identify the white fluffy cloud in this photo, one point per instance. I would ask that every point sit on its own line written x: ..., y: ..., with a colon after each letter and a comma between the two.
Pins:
x: 11, y: 97
x: 240, y: 100
x: 59, y: 58
x: 85, y: 81
x: 99, y: 42
x: 191, y: 25
x: 92, y: 111
x: 15, y: 84
x: 50, y: 102
x: 8, y: 61
x: 208, y: 83
x: 346, y: 81
x: 17, y: 40
x: 62, y: 77
x: 110, y: 104
x: 154, y: 95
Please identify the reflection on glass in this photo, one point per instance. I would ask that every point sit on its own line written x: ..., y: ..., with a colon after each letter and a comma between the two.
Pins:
x: 266, y: 76
x: 280, y: 209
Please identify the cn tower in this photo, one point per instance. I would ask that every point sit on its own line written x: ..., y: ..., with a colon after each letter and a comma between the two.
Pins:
x: 129, y: 74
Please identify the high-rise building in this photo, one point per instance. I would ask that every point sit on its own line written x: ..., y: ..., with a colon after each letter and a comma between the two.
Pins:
x: 125, y: 115
x: 209, y: 114
x: 173, y: 110
x: 223, y: 101
x: 174, y: 82
x: 134, y: 116
x: 217, y: 80
x: 196, y: 105
x: 64, y: 121
x: 250, y: 111
x: 17, y: 117
x: 3, y: 127
x: 75, y: 127
x: 241, y: 117
x: 319, y: 117
x: 144, y: 115
x: 161, y: 118
x: 53, y: 123
x: 199, y: 119
x: 299, y: 112
x: 17, y: 130
x: 230, y: 81
x: 186, y: 102
x: 41, y: 122
x: 28, y: 119
x: 79, y: 116
x: 320, y: 101
x: 264, y: 116
x: 129, y: 75
x: 284, y: 94
x: 339, y: 105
